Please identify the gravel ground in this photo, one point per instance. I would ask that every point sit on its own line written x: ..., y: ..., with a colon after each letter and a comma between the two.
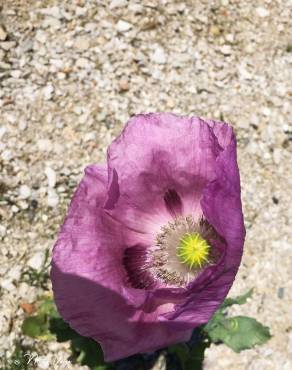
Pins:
x: 71, y: 74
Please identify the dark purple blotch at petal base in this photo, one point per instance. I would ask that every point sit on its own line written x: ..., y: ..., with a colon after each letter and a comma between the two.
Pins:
x: 105, y: 276
x: 173, y: 202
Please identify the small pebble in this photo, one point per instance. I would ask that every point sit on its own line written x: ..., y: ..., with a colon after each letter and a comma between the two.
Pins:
x: 51, y: 177
x: 22, y: 125
x: 44, y: 145
x: 123, y: 26
x: 82, y: 62
x: 277, y: 155
x: 14, y: 209
x: 3, y: 231
x: 124, y: 84
x: 3, y: 34
x: 36, y: 261
x: 159, y: 56
x: 118, y: 4
x: 262, y: 12
x: 226, y: 50
x: 24, y: 192
x: 43, y: 362
x: 7, y: 284
x: 54, y: 12
x: 82, y: 43
x: 7, y: 45
x: 14, y: 273
x: 53, y: 198
x: 41, y: 37
x: 3, y: 131
x: 215, y: 30
x: 48, y: 92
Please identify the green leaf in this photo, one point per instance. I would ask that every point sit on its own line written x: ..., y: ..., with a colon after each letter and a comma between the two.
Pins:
x: 238, y: 332
x: 35, y: 326
x: 61, y: 329
x: 237, y: 300
x: 88, y: 353
x: 191, y: 358
x: 182, y: 351
x: 196, y: 358
x: 47, y: 307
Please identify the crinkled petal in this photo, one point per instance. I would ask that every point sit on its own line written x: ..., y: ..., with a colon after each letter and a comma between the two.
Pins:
x: 162, y: 162
x: 89, y: 279
x: 221, y: 206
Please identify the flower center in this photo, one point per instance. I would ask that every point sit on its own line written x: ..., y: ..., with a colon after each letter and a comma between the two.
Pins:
x: 193, y: 250
x: 182, y: 250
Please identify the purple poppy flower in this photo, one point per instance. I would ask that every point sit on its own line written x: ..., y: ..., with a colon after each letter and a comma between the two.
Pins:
x: 154, y: 238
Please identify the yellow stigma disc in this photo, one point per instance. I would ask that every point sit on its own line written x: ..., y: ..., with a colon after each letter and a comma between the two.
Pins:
x: 193, y: 250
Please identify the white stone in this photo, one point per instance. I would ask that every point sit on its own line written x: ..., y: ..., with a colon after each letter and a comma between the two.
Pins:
x: 123, y: 26
x: 243, y: 73
x: 53, y: 198
x: 14, y: 273
x: 159, y: 56
x: 54, y: 12
x: 16, y: 73
x: 3, y: 130
x: 51, y: 22
x: 53, y: 346
x: 226, y: 50
x: 82, y: 43
x: 45, y: 218
x: 230, y: 37
x: 3, y: 231
x: 7, y: 155
x: 14, y: 208
x: 136, y: 8
x: 262, y: 12
x: 43, y: 362
x: 82, y: 63
x: 22, y: 125
x: 78, y: 109
x: 243, y: 123
x: 117, y: 4
x: 36, y: 261
x: 51, y: 177
x: 24, y: 192
x: 7, y: 285
x: 44, y: 145
x: 90, y: 136
x: 277, y: 155
x: 61, y: 76
x: 48, y: 92
x: 80, y: 11
x: 5, y: 66
x: 3, y: 34
x: 7, y: 45
x: 41, y: 36
x: 266, y: 111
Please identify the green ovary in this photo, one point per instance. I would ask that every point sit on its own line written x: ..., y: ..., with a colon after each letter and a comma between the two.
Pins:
x: 193, y: 250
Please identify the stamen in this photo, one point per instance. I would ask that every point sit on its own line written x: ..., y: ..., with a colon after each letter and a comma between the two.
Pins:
x: 183, y: 249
